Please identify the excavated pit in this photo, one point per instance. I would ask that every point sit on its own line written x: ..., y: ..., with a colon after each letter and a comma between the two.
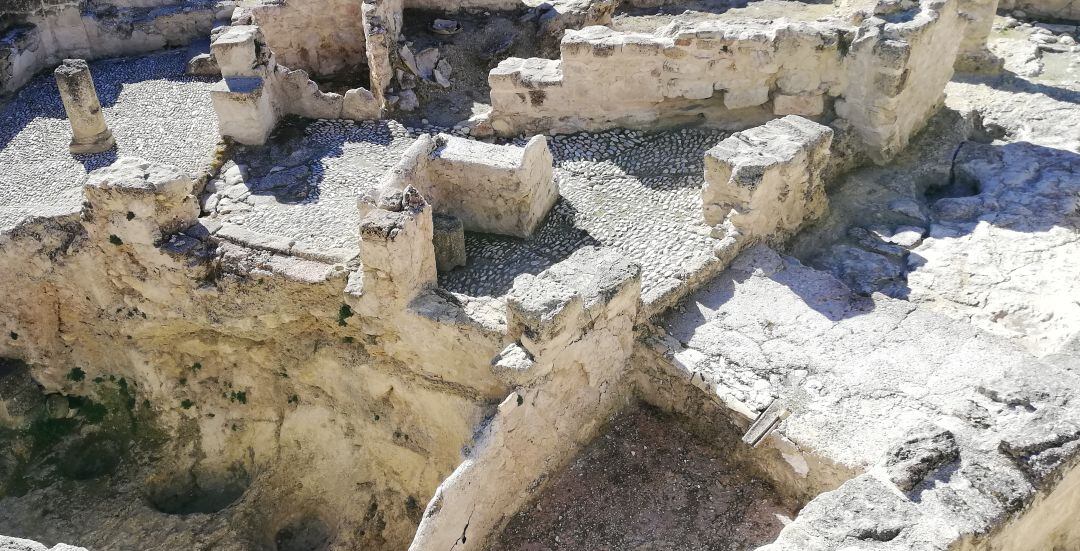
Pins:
x: 212, y: 364
x: 649, y: 483
x: 191, y: 491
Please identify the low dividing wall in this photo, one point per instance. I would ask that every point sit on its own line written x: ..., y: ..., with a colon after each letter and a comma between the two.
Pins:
x: 40, y: 34
x: 499, y: 189
x: 256, y: 92
x: 884, y: 77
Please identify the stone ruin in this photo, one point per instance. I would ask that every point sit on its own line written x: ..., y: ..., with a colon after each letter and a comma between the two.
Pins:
x: 508, y: 274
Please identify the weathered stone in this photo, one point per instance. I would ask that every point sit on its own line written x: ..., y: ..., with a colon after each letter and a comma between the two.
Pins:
x: 767, y: 181
x: 912, y: 461
x: 449, y: 242
x: 89, y: 132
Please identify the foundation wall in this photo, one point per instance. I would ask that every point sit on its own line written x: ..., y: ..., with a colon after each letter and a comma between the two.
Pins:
x: 251, y: 362
x: 885, y: 76
x: 573, y: 331
x: 498, y: 189
x: 256, y: 92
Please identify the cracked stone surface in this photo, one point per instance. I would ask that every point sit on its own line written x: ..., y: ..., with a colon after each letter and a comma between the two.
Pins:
x: 976, y: 230
x: 153, y: 109
x: 634, y: 191
x: 861, y: 376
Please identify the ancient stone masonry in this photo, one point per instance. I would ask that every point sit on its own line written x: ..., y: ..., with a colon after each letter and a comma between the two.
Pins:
x: 35, y: 35
x: 572, y: 329
x: 766, y: 183
x: 256, y: 92
x: 879, y: 75
x: 497, y: 189
x: 346, y: 299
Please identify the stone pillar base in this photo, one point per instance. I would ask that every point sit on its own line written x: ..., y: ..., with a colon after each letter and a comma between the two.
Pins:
x: 98, y: 144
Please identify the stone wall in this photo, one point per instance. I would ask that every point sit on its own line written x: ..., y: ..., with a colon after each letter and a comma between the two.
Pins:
x: 251, y: 362
x: 347, y: 36
x: 324, y: 38
x: 41, y: 34
x: 766, y: 182
x: 573, y: 330
x: 497, y: 189
x: 884, y: 76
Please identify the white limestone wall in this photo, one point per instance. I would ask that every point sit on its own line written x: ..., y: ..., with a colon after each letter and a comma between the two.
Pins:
x: 884, y: 76
x: 766, y: 182
x: 572, y: 327
x: 324, y: 38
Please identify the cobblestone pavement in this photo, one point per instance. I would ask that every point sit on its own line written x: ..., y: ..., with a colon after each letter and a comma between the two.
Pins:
x: 637, y: 192
x: 302, y: 188
x: 649, y: 484
x: 153, y: 110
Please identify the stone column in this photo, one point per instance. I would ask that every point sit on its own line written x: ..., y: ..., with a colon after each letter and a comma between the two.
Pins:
x: 88, y: 129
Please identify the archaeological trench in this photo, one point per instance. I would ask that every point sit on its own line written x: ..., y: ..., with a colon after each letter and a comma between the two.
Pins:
x: 526, y: 275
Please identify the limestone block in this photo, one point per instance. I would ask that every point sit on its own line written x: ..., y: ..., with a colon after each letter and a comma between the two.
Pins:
x: 564, y: 300
x: 806, y: 105
x: 239, y: 51
x: 360, y: 105
x: 742, y: 98
x: 245, y: 108
x: 449, y: 242
x: 397, y: 251
x: 767, y: 181
x: 978, y: 19
x: 515, y: 366
x: 492, y: 188
x: 137, y: 202
x: 89, y: 132
x: 203, y: 65
x: 15, y: 544
x: 301, y: 96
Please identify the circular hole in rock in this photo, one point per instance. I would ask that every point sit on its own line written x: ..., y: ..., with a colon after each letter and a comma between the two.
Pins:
x: 185, y: 493
x: 306, y: 533
x: 90, y: 458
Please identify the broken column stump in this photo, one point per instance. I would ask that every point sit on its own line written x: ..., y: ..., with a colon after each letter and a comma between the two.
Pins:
x: 89, y: 133
x: 449, y: 241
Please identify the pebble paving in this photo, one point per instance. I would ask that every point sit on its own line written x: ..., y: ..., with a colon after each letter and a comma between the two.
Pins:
x: 637, y: 192
x: 154, y: 111
x: 302, y: 187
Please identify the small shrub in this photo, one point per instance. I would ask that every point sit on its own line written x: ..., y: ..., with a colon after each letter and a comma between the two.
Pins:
x: 115, y: 240
x: 344, y: 313
x: 76, y: 375
x: 186, y: 404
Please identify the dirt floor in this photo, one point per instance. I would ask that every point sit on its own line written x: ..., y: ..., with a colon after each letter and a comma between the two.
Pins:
x: 484, y: 40
x: 647, y: 484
